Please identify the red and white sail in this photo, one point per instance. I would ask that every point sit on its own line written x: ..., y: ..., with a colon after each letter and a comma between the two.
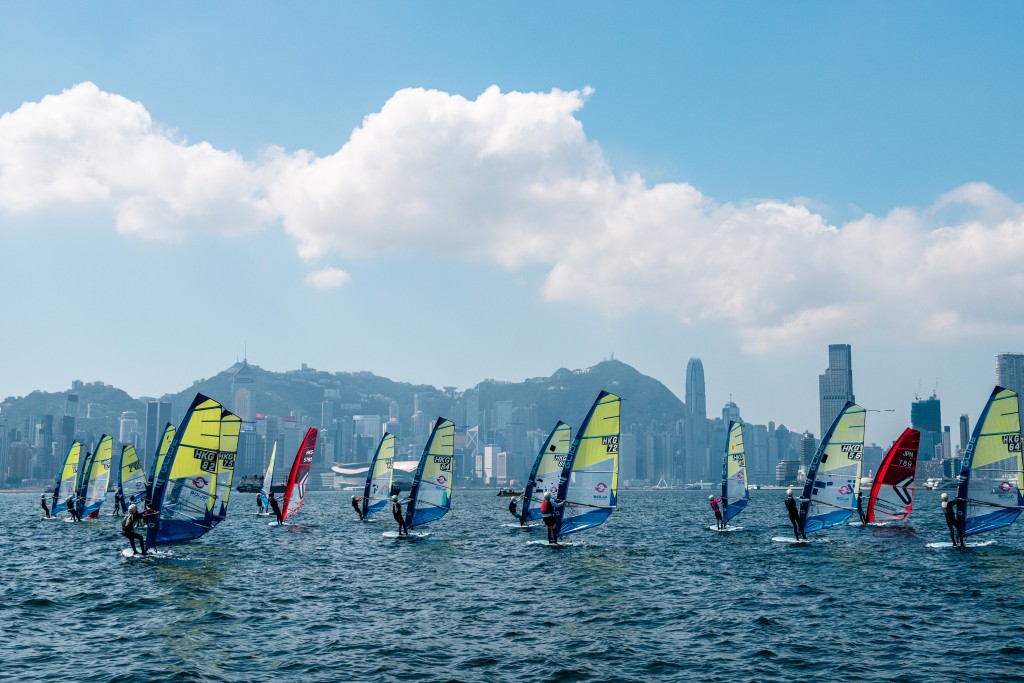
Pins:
x: 892, y: 491
x: 295, y: 489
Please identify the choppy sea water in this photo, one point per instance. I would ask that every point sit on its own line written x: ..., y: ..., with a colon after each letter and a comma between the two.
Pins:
x: 651, y: 595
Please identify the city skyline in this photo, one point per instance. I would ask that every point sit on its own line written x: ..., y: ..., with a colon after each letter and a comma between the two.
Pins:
x: 448, y: 194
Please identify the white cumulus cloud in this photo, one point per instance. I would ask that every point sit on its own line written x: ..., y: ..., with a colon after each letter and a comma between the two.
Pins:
x: 328, y: 278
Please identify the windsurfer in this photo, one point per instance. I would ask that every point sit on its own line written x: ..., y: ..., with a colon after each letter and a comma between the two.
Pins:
x: 716, y: 506
x: 259, y: 503
x: 512, y: 507
x: 549, y: 511
x: 956, y: 534
x: 276, y: 508
x: 118, y: 501
x: 794, y: 515
x: 355, y: 506
x: 860, y: 507
x: 128, y: 528
x: 396, y: 511
x: 72, y: 508
x: 42, y: 501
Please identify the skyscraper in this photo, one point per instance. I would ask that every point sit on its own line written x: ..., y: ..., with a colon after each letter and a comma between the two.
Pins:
x: 158, y: 414
x: 1010, y: 371
x: 926, y: 417
x: 965, y: 432
x: 697, y: 463
x: 242, y: 392
x: 835, y: 387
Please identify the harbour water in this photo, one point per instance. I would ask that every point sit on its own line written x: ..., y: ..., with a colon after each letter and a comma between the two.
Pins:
x: 651, y: 595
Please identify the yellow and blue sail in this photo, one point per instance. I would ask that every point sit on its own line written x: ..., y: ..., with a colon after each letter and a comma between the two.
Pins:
x: 184, y: 492
x: 589, y: 481
x: 991, y: 491
x: 161, y: 453
x: 230, y: 428
x: 431, y: 494
x: 833, y: 478
x: 735, y: 494
x: 379, y: 476
x: 547, y: 467
x: 130, y: 475
x: 97, y: 476
x: 67, y: 476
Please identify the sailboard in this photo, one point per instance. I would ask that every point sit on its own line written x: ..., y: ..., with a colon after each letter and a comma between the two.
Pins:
x: 892, y: 491
x: 97, y: 476
x: 131, y: 477
x: 377, y: 490
x: 547, y: 467
x: 991, y: 491
x: 833, y: 477
x: 161, y: 453
x: 182, y: 508
x: 968, y: 544
x: 227, y: 451
x: 431, y: 496
x: 66, y: 479
x: 735, y: 494
x: 295, y: 489
x: 589, y: 481
x: 268, y: 482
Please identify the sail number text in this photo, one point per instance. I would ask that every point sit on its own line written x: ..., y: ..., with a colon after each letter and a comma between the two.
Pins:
x: 852, y: 450
x: 207, y: 460
x: 610, y: 443
x: 444, y: 462
x: 1012, y: 442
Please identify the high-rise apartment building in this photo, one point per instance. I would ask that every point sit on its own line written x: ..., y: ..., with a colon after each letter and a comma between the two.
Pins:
x: 696, y: 440
x: 1010, y: 371
x: 242, y: 397
x: 158, y: 414
x: 835, y: 387
x: 965, y: 432
x: 926, y: 417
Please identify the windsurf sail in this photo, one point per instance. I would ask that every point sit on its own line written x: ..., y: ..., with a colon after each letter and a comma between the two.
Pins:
x: 547, y: 467
x: 431, y: 494
x: 377, y: 490
x: 130, y: 475
x: 66, y: 478
x: 187, y: 478
x: 735, y: 495
x: 991, y: 491
x: 230, y: 427
x: 892, y: 491
x: 158, y: 461
x: 295, y: 489
x: 589, y: 481
x: 268, y: 477
x: 833, y: 477
x: 97, y: 477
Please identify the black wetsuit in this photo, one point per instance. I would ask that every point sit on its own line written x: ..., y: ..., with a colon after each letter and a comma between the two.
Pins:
x: 359, y: 510
x: 794, y: 517
x: 396, y: 511
x: 73, y: 509
x: 46, y: 510
x: 119, y: 502
x: 276, y: 509
x: 956, y: 535
x: 512, y: 507
x: 128, y: 531
x: 259, y: 503
x: 860, y: 508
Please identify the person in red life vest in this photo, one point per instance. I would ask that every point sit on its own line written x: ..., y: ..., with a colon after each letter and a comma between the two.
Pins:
x: 549, y: 511
x: 716, y: 506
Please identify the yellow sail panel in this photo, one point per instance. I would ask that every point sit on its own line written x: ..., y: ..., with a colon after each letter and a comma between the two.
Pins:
x: 833, y: 481
x: 432, y: 485
x: 377, y: 490
x: 98, y: 476
x: 66, y: 478
x: 590, y: 481
x: 132, y: 479
x: 165, y: 445
x: 991, y: 491
x: 230, y: 427
x: 734, y: 486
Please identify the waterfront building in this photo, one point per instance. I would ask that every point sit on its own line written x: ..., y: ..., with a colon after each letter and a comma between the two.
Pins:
x: 1010, y: 371
x: 835, y: 386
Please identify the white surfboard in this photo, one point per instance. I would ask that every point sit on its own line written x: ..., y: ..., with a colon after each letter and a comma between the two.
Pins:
x: 948, y: 544
x: 728, y: 528
x: 411, y: 534
x: 512, y: 525
x: 274, y: 523
x: 49, y: 519
x: 793, y: 541
x: 561, y: 544
x: 262, y: 514
x: 69, y: 519
x: 127, y: 552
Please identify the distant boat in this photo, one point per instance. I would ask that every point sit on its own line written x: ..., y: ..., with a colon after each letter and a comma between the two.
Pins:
x: 991, y: 492
x: 892, y: 491
x: 833, y: 477
x: 734, y: 474
x: 661, y: 485
x: 547, y: 467
x: 379, y: 475
x: 249, y: 484
x: 298, y: 476
x: 431, y: 496
x: 590, y: 477
x: 185, y: 499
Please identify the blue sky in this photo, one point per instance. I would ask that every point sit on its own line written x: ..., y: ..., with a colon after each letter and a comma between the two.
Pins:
x: 448, y: 192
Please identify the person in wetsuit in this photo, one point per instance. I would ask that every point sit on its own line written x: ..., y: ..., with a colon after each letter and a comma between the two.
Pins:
x: 716, y: 505
x: 860, y: 507
x: 956, y: 534
x: 396, y: 511
x: 72, y: 507
x: 549, y: 511
x: 512, y: 507
x: 357, y: 507
x: 119, y: 502
x: 277, y: 510
x: 259, y: 503
x: 132, y: 518
x: 46, y: 510
x: 794, y: 515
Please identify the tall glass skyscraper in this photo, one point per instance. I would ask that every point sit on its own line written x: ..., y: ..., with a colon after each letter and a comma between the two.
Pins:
x: 926, y: 417
x: 835, y: 387
x: 1010, y: 371
x: 697, y: 463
